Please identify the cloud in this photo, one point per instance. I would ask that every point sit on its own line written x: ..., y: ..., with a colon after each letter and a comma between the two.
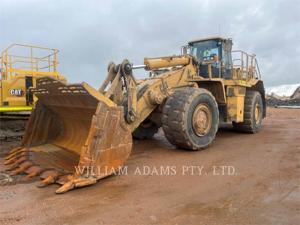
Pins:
x: 90, y: 34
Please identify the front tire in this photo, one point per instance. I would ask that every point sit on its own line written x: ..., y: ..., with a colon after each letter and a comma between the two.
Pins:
x: 191, y: 118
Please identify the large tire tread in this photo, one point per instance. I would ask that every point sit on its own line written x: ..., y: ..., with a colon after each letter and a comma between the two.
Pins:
x: 173, y: 118
x: 248, y: 125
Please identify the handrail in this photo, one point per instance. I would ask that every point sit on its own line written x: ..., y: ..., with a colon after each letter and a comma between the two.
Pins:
x: 248, y: 65
x: 36, y: 59
x: 30, y: 46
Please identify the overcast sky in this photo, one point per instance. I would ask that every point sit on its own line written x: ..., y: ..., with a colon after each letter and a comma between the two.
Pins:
x: 90, y: 34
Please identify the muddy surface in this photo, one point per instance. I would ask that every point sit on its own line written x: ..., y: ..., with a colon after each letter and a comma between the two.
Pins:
x: 240, y: 179
x: 12, y: 130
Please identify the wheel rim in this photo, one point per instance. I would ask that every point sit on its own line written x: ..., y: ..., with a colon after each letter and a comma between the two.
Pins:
x: 257, y: 113
x: 202, y: 119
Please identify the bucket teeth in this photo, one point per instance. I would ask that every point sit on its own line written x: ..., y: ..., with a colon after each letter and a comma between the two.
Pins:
x: 50, y: 179
x: 12, y: 166
x: 17, y: 155
x: 16, y: 163
x: 34, y: 171
x: 16, y: 171
x: 10, y: 161
x: 22, y: 167
x: 16, y: 160
x: 63, y: 179
x: 75, y: 182
x: 15, y: 150
x: 32, y: 174
x: 47, y: 181
x: 14, y: 154
x: 66, y: 187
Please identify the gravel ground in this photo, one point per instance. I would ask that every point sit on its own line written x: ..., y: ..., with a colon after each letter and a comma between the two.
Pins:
x: 240, y: 179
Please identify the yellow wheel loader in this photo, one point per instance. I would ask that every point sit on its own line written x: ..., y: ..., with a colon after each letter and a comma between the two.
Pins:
x: 77, y: 135
x: 20, y: 66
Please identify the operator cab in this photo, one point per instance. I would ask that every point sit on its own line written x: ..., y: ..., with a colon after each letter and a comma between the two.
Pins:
x: 212, y: 54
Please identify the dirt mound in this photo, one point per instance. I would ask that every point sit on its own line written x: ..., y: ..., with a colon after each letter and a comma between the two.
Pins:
x: 296, y: 94
x: 276, y: 100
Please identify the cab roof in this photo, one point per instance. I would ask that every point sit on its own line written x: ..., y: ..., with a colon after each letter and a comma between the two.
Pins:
x: 207, y: 39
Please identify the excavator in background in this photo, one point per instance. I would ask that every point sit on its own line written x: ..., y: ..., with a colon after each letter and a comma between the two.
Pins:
x: 20, y: 67
x: 77, y: 135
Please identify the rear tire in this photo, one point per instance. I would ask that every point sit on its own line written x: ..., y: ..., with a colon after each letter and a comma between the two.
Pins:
x: 190, y: 118
x: 253, y: 113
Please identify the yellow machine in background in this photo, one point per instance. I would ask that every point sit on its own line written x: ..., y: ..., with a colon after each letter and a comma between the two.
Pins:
x: 20, y: 66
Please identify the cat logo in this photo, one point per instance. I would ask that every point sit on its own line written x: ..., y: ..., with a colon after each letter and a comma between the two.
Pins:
x: 16, y: 92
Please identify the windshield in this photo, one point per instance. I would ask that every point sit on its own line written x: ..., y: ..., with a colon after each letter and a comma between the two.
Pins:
x: 205, y: 50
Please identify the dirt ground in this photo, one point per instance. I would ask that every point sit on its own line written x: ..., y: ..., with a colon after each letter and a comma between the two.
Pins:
x: 240, y: 179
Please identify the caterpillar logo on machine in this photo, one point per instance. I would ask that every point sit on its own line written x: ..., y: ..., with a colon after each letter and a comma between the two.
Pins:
x: 20, y: 66
x: 16, y: 92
